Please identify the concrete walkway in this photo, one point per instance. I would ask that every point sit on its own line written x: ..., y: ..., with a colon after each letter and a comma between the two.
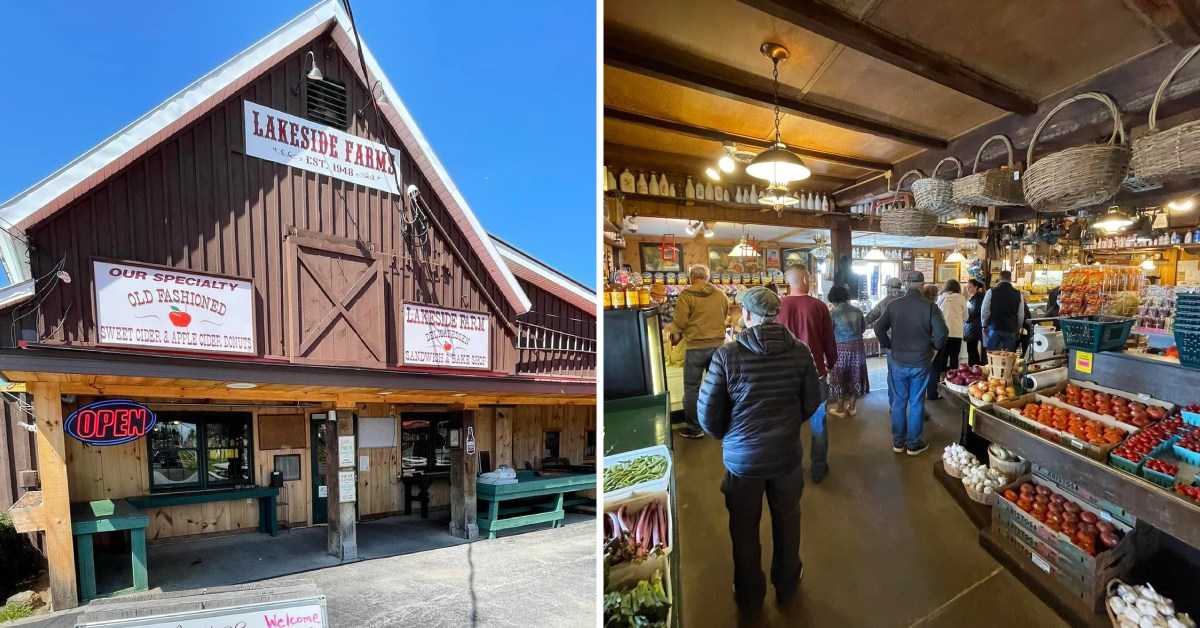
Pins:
x: 883, y: 544
x: 545, y: 577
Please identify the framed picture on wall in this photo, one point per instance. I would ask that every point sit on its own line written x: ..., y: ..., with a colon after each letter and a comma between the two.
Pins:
x: 719, y: 261
x: 773, y: 259
x: 946, y: 272
x: 794, y: 256
x: 652, y: 257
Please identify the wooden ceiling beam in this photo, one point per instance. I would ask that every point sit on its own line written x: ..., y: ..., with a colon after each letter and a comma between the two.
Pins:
x: 834, y: 25
x: 1175, y: 20
x: 715, y: 135
x: 675, y: 163
x: 719, y: 212
x: 655, y: 58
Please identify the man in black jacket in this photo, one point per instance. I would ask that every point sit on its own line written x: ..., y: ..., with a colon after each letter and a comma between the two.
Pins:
x: 913, y: 330
x: 973, y: 329
x: 757, y: 393
x: 1003, y: 315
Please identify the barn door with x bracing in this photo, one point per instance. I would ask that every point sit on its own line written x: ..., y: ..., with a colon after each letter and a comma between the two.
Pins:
x: 336, y: 301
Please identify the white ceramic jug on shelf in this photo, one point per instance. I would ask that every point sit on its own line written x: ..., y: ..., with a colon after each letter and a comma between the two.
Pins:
x: 642, y: 186
x: 690, y: 190
x: 664, y: 186
x: 627, y: 182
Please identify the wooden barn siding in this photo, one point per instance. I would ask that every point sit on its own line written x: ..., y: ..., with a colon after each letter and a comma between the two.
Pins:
x: 18, y: 452
x: 552, y: 312
x: 197, y: 202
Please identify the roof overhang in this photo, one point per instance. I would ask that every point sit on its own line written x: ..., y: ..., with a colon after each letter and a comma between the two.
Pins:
x: 545, y: 277
x: 73, y: 180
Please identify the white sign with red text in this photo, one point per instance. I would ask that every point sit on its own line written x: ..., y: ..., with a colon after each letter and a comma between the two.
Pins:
x: 146, y: 306
x: 446, y: 338
x: 308, y: 616
x: 293, y: 141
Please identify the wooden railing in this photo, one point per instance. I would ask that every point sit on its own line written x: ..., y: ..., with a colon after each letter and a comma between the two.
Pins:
x: 545, y: 351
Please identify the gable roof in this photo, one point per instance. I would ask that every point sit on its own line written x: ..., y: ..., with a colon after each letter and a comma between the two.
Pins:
x: 542, y: 275
x: 71, y: 181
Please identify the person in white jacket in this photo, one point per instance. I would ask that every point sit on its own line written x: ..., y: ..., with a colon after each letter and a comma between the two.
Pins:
x: 954, y: 309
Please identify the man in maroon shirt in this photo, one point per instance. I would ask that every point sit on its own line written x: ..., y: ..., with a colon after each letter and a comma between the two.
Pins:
x: 809, y: 321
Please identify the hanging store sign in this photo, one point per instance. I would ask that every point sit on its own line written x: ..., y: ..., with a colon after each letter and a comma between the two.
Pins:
x: 114, y: 422
x: 149, y: 306
x: 293, y: 141
x: 446, y: 338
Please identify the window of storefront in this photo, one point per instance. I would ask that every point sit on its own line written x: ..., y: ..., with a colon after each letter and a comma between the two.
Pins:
x: 550, y: 445
x: 200, y: 451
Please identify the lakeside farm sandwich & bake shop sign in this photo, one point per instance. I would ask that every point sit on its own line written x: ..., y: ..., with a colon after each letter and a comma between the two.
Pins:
x: 444, y: 338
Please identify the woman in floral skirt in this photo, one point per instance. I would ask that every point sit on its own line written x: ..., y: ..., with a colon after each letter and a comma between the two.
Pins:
x: 848, y: 379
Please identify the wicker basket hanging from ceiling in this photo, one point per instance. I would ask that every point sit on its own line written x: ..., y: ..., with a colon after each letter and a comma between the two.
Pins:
x: 899, y: 218
x: 935, y: 194
x: 1175, y: 152
x: 997, y: 187
x: 1079, y: 176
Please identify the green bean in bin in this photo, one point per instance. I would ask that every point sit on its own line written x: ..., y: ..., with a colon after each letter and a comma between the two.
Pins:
x: 635, y: 471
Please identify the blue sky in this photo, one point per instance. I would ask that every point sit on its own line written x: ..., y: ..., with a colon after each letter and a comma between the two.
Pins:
x: 506, y: 96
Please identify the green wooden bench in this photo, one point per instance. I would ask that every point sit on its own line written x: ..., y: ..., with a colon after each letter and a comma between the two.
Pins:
x: 90, y: 518
x: 494, y: 517
x: 266, y: 496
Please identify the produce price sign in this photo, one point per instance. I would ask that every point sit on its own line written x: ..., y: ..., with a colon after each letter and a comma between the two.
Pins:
x: 299, y: 143
x: 146, y: 306
x: 446, y: 338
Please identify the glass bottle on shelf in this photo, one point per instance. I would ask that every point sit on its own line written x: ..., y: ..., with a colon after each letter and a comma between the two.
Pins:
x: 642, y: 186
x: 628, y: 184
x: 689, y: 191
x: 664, y: 185
x: 653, y: 187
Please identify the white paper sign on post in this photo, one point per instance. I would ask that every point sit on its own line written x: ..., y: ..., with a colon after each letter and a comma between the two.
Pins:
x: 345, y: 451
x: 293, y: 141
x: 439, y: 337
x: 347, y: 487
x: 149, y: 306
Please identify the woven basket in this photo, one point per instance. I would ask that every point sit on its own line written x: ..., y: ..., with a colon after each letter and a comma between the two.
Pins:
x: 991, y: 188
x: 1159, y: 155
x: 900, y: 219
x: 937, y: 195
x: 1079, y: 176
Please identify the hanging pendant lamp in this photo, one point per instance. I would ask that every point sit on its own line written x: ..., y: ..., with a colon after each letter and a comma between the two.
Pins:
x: 1113, y: 220
x: 777, y: 165
x: 743, y: 248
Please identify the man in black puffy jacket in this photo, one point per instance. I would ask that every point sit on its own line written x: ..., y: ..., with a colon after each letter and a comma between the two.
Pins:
x: 757, y: 393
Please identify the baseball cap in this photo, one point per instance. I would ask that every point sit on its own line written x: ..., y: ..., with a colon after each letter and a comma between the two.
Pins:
x: 915, y: 276
x: 760, y: 301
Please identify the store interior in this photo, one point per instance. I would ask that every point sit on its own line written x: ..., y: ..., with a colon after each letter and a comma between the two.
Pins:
x: 1062, y: 483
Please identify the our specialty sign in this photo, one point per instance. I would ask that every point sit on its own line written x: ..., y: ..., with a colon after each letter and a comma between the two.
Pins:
x: 446, y: 338
x: 144, y: 306
x: 286, y: 139
x: 112, y: 422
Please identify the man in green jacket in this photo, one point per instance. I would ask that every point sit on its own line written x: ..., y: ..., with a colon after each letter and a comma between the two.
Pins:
x: 700, y: 313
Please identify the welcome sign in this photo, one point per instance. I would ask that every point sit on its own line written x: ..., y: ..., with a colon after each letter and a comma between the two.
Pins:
x: 148, y: 306
x: 446, y: 338
x: 293, y: 141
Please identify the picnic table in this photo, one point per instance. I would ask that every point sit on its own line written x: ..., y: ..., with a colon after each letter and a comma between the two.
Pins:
x: 107, y: 515
x: 528, y: 510
x: 266, y: 496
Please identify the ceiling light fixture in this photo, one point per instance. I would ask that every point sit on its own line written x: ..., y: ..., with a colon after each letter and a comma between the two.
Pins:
x: 1028, y: 259
x: 955, y: 257
x: 241, y: 385
x: 777, y: 165
x: 1182, y: 205
x: 743, y: 248
x: 875, y: 255
x: 1113, y: 220
x: 726, y: 163
x: 691, y: 228
x: 712, y: 173
x: 708, y: 232
x: 777, y: 196
x: 962, y: 218
x: 1147, y: 264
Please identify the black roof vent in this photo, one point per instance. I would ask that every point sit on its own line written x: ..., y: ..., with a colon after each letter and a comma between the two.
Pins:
x: 326, y: 102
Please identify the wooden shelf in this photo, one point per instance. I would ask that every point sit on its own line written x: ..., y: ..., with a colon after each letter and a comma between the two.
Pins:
x: 1164, y: 510
x: 1050, y: 591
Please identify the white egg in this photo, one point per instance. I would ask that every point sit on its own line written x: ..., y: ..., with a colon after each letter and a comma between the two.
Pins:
x: 1147, y: 607
x: 1116, y: 604
x: 1131, y: 613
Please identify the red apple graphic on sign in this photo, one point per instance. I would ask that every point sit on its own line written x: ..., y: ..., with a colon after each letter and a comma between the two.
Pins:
x: 179, y: 318
x: 447, y: 346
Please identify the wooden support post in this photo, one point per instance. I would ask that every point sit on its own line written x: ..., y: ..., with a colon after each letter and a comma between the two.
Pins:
x: 841, y: 246
x: 463, y: 466
x: 503, y: 450
x: 342, y: 534
x: 56, y: 496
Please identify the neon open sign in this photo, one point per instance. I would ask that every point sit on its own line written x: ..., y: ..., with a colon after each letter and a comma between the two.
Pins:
x: 110, y: 422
